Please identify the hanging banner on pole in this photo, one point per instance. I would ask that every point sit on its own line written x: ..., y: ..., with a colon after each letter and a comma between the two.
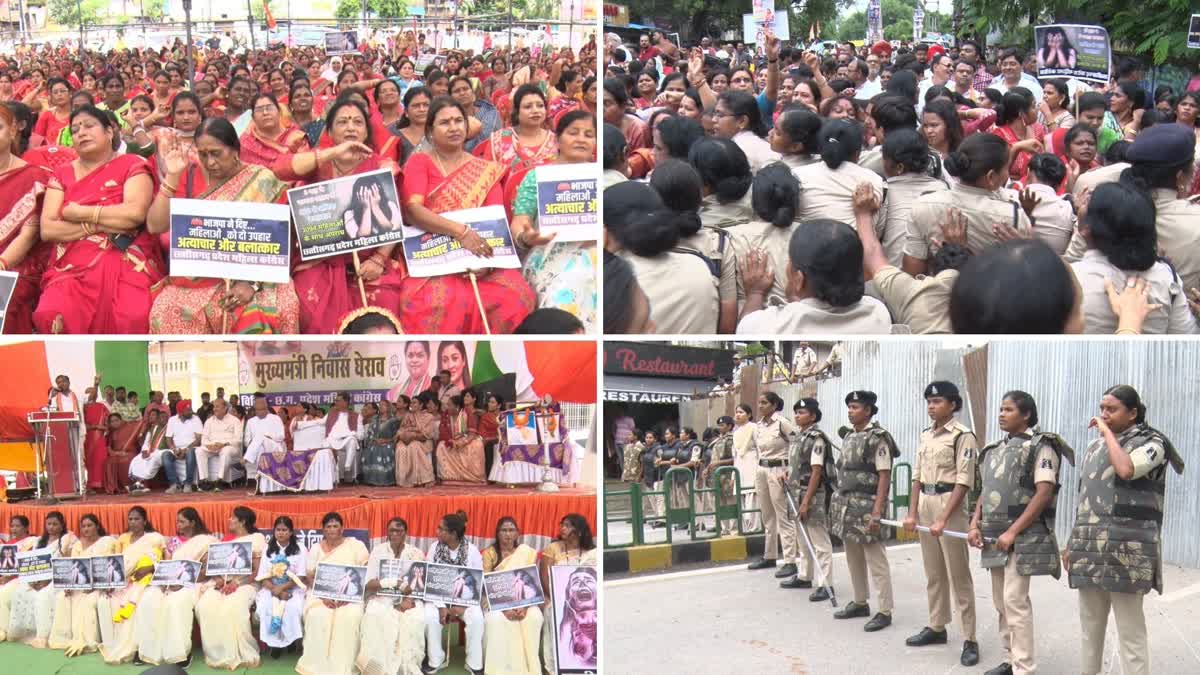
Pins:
x: 874, y: 22
x: 1068, y: 50
x: 918, y: 23
x: 1193, y: 40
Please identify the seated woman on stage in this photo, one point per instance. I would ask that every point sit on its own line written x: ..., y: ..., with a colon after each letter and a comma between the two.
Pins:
x: 451, y: 548
x: 191, y: 305
x: 461, y: 458
x: 223, y: 610
x: 18, y: 535
x: 124, y: 442
x: 512, y: 635
x: 141, y: 547
x: 104, y: 263
x: 378, y: 457
x: 331, y: 628
x: 393, y: 629
x: 75, y: 626
x: 574, y: 546
x: 163, y: 622
x: 32, y: 611
x: 414, y: 446
x: 284, y: 548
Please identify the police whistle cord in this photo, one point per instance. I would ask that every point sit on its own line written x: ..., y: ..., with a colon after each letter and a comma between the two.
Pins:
x: 812, y: 553
x: 945, y: 533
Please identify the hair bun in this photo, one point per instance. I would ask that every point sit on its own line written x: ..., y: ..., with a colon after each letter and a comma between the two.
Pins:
x: 957, y: 163
x: 462, y: 514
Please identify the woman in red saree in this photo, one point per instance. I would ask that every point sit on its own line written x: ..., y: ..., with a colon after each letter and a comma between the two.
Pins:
x: 527, y: 142
x: 95, y: 442
x: 1016, y: 118
x: 22, y: 187
x: 210, y: 306
x: 104, y: 261
x: 328, y: 287
x: 267, y: 139
x: 124, y: 441
x: 449, y: 179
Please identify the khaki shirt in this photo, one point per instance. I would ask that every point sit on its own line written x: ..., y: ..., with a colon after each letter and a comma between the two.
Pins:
x: 903, y: 192
x: 816, y: 316
x: 1165, y: 289
x: 773, y: 436
x: 797, y: 161
x: 873, y: 161
x: 1178, y: 222
x: 707, y: 242
x: 921, y: 302
x: 775, y: 241
x: 829, y: 193
x: 758, y: 150
x: 1045, y: 467
x: 716, y: 214
x: 939, y: 462
x: 683, y: 293
x: 1145, y: 457
x: 980, y: 208
x: 1105, y: 174
x: 1053, y: 218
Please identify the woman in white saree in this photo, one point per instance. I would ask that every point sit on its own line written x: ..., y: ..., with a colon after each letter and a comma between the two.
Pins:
x: 18, y: 535
x: 331, y: 628
x: 223, y: 610
x: 76, y: 628
x: 393, y: 629
x: 140, y: 547
x: 32, y: 608
x: 513, y: 635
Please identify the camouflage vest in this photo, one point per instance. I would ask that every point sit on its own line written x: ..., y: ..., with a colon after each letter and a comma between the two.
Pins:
x: 1117, y: 539
x: 800, y: 458
x: 721, y: 449
x: 856, y: 462
x: 1007, y: 468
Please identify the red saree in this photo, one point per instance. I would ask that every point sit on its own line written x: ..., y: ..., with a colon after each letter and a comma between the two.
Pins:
x: 446, y: 304
x: 256, y: 149
x: 91, y: 285
x: 95, y: 444
x: 122, y: 446
x: 327, y: 288
x: 21, y: 193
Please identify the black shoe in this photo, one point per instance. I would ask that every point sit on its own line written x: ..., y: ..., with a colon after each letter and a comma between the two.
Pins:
x: 970, y: 653
x: 761, y: 564
x: 137, y: 660
x: 927, y: 636
x: 878, y: 622
x: 291, y: 649
x: 276, y: 652
x: 796, y: 582
x: 853, y: 610
x: 1002, y: 669
x: 681, y: 526
x: 788, y: 570
x: 430, y: 670
x: 819, y: 595
x: 186, y: 664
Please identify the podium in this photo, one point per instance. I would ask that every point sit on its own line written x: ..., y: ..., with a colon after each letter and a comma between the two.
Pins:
x: 59, y: 455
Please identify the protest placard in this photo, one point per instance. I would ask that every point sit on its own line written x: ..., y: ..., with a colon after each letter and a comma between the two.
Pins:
x: 576, y: 605
x: 520, y: 427
x: 340, y: 583
x: 402, y: 579
x: 346, y: 214
x: 175, y: 573
x: 8, y: 283
x: 34, y: 565
x: 72, y: 574
x: 1070, y: 50
x: 108, y: 572
x: 341, y: 42
x: 8, y: 560
x: 513, y: 589
x: 778, y: 25
x: 432, y: 255
x: 1193, y: 39
x: 453, y: 585
x: 230, y: 240
x: 230, y: 559
x: 567, y: 202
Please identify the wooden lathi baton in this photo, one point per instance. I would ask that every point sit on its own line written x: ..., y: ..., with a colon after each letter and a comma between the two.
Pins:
x: 945, y: 533
x: 821, y: 581
x: 225, y: 312
x: 479, y: 301
x: 362, y: 289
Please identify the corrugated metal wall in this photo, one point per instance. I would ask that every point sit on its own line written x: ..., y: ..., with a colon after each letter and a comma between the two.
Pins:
x: 1068, y: 378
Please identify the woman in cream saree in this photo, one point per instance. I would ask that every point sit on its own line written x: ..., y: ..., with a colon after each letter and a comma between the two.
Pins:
x: 163, y: 622
x: 461, y: 458
x: 223, y: 610
x: 18, y: 530
x: 511, y: 637
x: 140, y: 547
x: 32, y: 608
x: 76, y: 628
x: 393, y: 629
x: 414, y: 446
x: 331, y: 628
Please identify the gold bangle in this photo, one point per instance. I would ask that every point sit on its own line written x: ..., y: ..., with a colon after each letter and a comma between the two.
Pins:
x: 96, y: 214
x: 1127, y: 331
x: 172, y: 188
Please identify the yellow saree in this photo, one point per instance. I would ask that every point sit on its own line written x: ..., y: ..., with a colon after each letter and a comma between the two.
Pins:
x: 76, y: 628
x: 392, y: 641
x: 163, y: 622
x: 117, y: 641
x: 224, y: 618
x: 331, y: 634
x: 511, y: 647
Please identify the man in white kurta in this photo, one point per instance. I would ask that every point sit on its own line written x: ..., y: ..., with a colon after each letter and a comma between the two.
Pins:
x: 262, y: 426
x: 342, y: 434
x: 222, y: 438
x: 183, y: 435
x: 62, y: 399
x: 147, y: 463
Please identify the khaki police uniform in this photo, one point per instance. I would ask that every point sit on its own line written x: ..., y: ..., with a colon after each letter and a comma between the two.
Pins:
x: 945, y: 458
x: 771, y: 438
x: 979, y: 207
x: 921, y: 302
x: 903, y: 192
x: 818, y: 533
x: 1163, y: 286
x: 682, y: 291
x: 829, y: 193
x: 774, y: 241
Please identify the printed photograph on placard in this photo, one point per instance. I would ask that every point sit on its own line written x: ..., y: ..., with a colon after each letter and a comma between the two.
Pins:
x: 402, y: 578
x: 453, y: 585
x: 183, y: 573
x: 234, y: 558
x: 72, y: 574
x: 340, y: 583
x: 513, y: 589
x: 108, y: 572
x: 35, y: 565
x: 8, y: 560
x: 348, y: 214
x: 576, y: 615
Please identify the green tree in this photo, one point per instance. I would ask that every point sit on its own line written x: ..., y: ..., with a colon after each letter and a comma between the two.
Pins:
x: 67, y: 12
x: 897, y: 21
x: 380, y: 9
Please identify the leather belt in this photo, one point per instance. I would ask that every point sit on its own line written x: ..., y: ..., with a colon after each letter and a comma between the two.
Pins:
x: 937, y: 488
x: 772, y: 463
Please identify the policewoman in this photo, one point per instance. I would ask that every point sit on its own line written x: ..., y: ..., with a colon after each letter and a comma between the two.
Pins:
x: 943, y: 474
x: 864, y: 469
x: 721, y: 454
x: 1114, y: 555
x: 811, y: 457
x: 772, y: 437
x: 1015, y: 513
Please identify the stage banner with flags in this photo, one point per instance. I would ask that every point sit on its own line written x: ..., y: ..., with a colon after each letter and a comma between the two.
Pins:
x: 270, y: 17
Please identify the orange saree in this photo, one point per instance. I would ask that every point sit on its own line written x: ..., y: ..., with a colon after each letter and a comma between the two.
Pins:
x: 21, y: 193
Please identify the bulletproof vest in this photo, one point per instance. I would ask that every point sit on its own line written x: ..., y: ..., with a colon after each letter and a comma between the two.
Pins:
x: 1007, y: 468
x: 800, y: 454
x: 1116, y: 542
x: 722, y: 448
x: 649, y: 454
x: 706, y: 456
x: 856, y: 462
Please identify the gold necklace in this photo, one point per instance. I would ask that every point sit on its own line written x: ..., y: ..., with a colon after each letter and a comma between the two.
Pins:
x: 437, y: 157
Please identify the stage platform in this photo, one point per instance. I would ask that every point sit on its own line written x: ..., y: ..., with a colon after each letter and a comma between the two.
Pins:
x: 362, y: 507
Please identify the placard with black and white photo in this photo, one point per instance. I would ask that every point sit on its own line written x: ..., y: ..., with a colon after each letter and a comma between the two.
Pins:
x: 72, y: 574
x: 230, y: 559
x: 453, y: 585
x: 402, y: 579
x: 340, y: 583
x: 514, y: 589
x: 175, y: 573
x: 108, y: 572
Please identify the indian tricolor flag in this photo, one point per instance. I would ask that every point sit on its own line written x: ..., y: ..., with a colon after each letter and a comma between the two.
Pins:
x: 527, y: 371
x: 30, y: 369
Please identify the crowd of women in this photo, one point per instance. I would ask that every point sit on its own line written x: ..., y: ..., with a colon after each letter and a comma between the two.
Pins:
x: 237, y: 615
x: 93, y: 149
x: 869, y: 194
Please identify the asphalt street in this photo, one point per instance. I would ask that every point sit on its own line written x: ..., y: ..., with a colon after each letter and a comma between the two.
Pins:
x: 726, y: 619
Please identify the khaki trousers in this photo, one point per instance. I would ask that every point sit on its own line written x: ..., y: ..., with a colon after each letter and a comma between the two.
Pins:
x: 768, y: 484
x: 947, y: 564
x: 860, y: 557
x: 1094, y: 604
x: 1010, y: 594
x: 819, y: 534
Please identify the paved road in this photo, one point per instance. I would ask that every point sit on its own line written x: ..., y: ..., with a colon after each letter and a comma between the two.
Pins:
x: 730, y: 620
